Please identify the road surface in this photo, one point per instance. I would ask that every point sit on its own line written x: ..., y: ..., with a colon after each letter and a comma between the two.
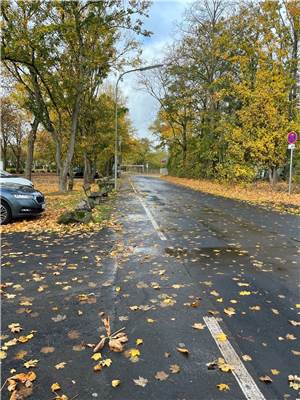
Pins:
x: 178, y: 259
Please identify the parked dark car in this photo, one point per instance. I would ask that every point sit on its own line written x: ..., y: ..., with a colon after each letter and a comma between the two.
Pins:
x: 19, y: 201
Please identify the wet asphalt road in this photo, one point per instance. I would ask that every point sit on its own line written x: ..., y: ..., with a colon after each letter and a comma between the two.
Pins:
x: 215, y: 251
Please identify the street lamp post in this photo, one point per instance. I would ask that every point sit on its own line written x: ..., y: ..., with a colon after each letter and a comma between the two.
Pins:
x: 116, y: 113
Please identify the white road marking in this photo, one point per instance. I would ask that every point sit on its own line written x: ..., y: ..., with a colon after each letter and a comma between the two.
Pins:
x: 149, y: 215
x: 244, y: 379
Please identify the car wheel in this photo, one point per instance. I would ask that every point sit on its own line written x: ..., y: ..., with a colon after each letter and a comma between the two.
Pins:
x: 5, y: 213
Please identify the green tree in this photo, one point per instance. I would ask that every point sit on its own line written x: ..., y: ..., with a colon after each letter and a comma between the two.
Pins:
x: 59, y: 50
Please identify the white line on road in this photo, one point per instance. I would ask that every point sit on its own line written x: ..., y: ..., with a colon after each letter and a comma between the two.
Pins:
x: 244, y: 379
x: 149, y: 215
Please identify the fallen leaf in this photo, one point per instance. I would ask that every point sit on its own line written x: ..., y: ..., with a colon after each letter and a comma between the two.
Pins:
x: 78, y: 347
x: 115, y: 382
x: 139, y: 341
x: 73, y: 334
x: 294, y: 323
x: 150, y: 320
x: 15, y: 327
x: 117, y: 342
x: 140, y: 381
x: 274, y: 311
x: 295, y: 352
x: 245, y: 357
x: 161, y: 376
x: 134, y: 353
x: 47, y: 350
x: 55, y: 387
x: 182, y: 350
x: 24, y: 339
x: 275, y: 372
x: 294, y: 382
x: 3, y: 355
x: 174, y: 368
x: 290, y: 336
x: 229, y: 311
x: 265, y: 379
x: 60, y: 365
x: 254, y: 308
x: 98, y: 367
x: 244, y: 293
x: 107, y: 362
x: 223, y: 387
x: 96, y: 356
x: 221, y: 337
x: 198, y: 326
x: 30, y: 363
x: 59, y: 318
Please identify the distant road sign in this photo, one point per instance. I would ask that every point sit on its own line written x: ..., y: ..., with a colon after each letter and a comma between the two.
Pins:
x: 292, y: 137
x: 291, y: 146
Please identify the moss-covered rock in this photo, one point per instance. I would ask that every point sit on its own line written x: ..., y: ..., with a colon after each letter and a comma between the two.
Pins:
x: 73, y: 217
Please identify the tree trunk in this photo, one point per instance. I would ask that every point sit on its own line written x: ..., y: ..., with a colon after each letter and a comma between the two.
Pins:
x: 4, y: 157
x: 63, y: 176
x: 18, y: 161
x: 30, y: 148
x: 273, y: 177
x: 70, y: 183
x: 87, y: 173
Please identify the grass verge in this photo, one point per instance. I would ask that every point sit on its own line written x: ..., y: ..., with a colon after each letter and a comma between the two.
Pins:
x: 56, y: 204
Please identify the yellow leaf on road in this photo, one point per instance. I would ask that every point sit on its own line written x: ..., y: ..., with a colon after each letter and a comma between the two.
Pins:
x: 245, y: 357
x: 223, y: 387
x: 96, y: 356
x: 221, y: 337
x: 161, y: 375
x: 275, y: 371
x: 139, y: 341
x: 134, y: 353
x: 60, y: 365
x: 115, y: 383
x: 55, y: 386
x: 198, y: 326
x: 244, y: 293
x: 30, y: 363
x: 229, y: 311
x: 15, y: 327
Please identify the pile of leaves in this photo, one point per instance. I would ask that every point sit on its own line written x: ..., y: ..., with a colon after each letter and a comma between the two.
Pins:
x: 20, y: 385
x: 115, y: 340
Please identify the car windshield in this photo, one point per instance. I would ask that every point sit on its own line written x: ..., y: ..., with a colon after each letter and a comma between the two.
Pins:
x: 4, y: 174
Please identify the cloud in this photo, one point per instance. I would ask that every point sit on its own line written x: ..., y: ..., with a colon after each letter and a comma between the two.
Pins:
x: 163, y: 16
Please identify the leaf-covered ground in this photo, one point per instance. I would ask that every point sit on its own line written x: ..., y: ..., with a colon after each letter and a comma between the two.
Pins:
x: 156, y: 293
x: 260, y: 193
x: 56, y: 204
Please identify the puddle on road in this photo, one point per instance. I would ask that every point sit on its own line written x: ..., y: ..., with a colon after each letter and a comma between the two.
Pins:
x: 136, y: 217
x: 147, y: 250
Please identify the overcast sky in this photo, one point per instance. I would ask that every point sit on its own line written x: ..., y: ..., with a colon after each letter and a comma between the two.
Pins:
x: 163, y: 16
